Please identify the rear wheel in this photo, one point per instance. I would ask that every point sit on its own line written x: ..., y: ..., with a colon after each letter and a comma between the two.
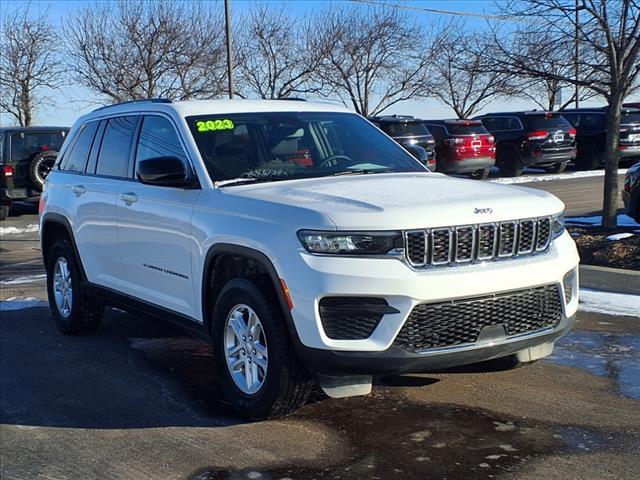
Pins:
x: 556, y: 168
x: 510, y: 163
x: 587, y: 158
x: 4, y: 212
x: 481, y: 174
x: 71, y: 307
x: 40, y: 167
x: 258, y: 369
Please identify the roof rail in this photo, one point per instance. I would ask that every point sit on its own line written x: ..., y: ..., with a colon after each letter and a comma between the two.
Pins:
x: 143, y: 100
x: 294, y: 99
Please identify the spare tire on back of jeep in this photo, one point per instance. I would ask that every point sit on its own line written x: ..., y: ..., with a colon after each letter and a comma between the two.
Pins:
x: 40, y: 166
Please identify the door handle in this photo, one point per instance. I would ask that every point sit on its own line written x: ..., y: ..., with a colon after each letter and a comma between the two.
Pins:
x: 129, y: 198
x: 79, y: 189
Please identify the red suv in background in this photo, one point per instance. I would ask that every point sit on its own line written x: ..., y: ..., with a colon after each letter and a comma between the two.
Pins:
x: 463, y: 146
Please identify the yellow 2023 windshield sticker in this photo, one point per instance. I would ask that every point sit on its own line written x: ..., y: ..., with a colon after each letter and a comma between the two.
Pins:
x: 213, y: 125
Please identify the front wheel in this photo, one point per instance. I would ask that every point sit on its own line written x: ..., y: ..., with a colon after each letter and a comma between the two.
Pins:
x: 481, y: 174
x: 258, y: 369
x: 556, y: 168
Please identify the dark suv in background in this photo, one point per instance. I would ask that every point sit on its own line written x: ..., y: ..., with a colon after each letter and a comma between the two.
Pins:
x: 408, y: 131
x: 525, y: 139
x: 463, y: 146
x: 591, y: 126
x: 26, y: 156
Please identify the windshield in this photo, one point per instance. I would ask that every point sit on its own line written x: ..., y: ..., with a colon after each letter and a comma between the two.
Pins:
x: 290, y: 145
x: 404, y: 129
x: 544, y: 122
x: 25, y: 144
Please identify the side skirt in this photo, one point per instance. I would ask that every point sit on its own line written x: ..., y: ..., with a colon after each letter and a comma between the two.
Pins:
x: 131, y: 304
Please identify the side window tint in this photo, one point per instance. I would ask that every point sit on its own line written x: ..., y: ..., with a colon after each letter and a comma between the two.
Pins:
x: 113, y: 159
x: 76, y: 158
x: 158, y: 138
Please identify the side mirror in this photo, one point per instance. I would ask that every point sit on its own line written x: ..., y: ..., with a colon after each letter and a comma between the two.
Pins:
x: 419, y: 153
x: 165, y: 171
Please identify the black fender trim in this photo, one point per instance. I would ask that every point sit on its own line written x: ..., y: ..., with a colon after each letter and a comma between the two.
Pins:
x: 51, y: 218
x: 261, y: 259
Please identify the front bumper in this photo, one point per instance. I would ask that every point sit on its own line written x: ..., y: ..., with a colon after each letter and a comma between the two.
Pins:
x: 628, y: 151
x: 311, y: 278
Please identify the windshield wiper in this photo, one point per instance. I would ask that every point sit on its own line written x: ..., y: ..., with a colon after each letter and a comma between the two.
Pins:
x: 235, y: 181
x: 362, y: 171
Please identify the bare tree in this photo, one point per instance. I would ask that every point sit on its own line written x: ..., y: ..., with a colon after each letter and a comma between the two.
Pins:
x: 459, y: 80
x: 29, y: 64
x: 548, y: 94
x: 609, y: 37
x: 132, y: 49
x: 276, y: 58
x: 373, y: 57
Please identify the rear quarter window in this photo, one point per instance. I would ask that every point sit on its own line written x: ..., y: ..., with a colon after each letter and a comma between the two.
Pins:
x: 76, y: 158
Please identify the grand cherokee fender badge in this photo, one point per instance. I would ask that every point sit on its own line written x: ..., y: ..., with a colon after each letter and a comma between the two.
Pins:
x: 483, y: 210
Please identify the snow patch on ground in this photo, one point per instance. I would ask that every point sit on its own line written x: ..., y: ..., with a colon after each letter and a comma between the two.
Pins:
x: 23, y: 280
x: 623, y: 221
x: 609, y: 303
x: 549, y: 177
x: 619, y: 236
x: 12, y: 230
x: 16, y: 303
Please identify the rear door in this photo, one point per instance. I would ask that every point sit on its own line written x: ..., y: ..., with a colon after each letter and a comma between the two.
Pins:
x: 154, y: 225
x: 108, y: 166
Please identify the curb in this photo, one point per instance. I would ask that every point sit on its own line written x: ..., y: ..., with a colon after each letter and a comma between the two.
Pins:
x: 615, y: 280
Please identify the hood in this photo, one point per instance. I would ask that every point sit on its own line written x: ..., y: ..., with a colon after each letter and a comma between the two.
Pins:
x: 404, y: 200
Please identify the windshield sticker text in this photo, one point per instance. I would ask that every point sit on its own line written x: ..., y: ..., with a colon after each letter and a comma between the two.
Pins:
x: 212, y: 125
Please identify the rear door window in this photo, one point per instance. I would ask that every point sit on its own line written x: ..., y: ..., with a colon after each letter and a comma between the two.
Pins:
x: 115, y: 150
x: 76, y: 158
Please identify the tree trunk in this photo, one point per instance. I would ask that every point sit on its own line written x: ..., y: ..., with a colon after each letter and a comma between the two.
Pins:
x: 610, y: 203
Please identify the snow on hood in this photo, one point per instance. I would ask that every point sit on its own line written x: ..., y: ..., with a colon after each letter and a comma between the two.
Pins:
x: 404, y: 201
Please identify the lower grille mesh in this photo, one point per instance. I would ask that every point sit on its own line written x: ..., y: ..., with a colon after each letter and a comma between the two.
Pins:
x: 459, y: 322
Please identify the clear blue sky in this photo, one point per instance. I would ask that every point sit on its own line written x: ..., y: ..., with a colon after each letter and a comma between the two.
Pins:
x: 72, y: 101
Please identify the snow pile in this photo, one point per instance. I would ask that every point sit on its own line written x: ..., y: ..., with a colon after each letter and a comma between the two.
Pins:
x: 623, y: 221
x: 619, y: 236
x: 609, y: 303
x: 23, y: 280
x: 549, y: 177
x: 10, y: 230
x: 15, y: 303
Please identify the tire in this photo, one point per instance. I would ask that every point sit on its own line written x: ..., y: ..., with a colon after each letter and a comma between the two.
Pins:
x: 586, y: 158
x: 79, y: 314
x: 556, y: 168
x: 4, y: 212
x: 40, y: 167
x: 510, y: 163
x: 481, y: 174
x: 285, y: 385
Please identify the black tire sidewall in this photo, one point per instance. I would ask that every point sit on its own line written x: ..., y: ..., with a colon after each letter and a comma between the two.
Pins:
x: 74, y: 322
x: 258, y: 405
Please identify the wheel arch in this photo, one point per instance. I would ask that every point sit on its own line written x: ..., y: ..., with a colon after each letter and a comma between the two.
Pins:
x: 231, y: 251
x: 54, y: 225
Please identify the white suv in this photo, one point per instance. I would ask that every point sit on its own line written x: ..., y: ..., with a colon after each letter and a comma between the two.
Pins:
x: 304, y: 242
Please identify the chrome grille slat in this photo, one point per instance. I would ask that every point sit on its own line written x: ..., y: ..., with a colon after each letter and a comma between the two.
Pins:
x: 466, y: 244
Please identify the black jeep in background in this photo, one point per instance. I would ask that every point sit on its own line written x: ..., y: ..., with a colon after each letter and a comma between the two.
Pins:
x: 408, y: 131
x: 26, y: 156
x: 526, y: 139
x: 591, y: 126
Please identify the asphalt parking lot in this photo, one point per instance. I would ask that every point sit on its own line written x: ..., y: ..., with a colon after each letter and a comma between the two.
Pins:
x: 139, y: 400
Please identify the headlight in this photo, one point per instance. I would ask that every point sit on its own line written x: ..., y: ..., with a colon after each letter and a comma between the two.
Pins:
x: 557, y: 225
x: 350, y: 243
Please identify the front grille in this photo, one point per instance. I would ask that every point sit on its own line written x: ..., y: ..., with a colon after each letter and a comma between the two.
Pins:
x: 352, y: 318
x: 460, y: 322
x: 477, y: 243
